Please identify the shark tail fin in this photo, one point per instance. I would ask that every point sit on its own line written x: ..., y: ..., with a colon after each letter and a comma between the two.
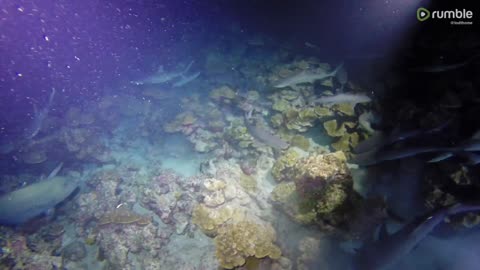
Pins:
x: 334, y: 72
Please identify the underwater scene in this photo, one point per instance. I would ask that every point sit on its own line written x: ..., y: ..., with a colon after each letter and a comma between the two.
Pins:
x: 252, y: 135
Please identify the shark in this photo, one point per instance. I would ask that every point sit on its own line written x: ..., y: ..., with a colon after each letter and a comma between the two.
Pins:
x: 445, y: 67
x: 381, y: 139
x: 39, y: 118
x: 467, y: 149
x: 263, y: 135
x: 306, y: 76
x: 28, y: 202
x: 162, y: 76
x: 343, y: 98
x: 388, y: 250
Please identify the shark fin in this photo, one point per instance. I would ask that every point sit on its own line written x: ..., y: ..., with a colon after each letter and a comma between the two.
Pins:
x: 334, y: 72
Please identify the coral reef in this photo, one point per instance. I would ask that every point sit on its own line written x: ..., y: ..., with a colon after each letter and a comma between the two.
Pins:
x: 300, y: 120
x: 237, y: 133
x: 202, y: 125
x: 248, y: 183
x: 172, y: 198
x: 210, y: 220
x: 282, y: 169
x: 184, y: 122
x: 301, y: 142
x: 118, y: 242
x: 17, y: 252
x: 238, y: 241
x: 223, y: 94
x: 231, y: 215
x: 319, y: 190
x: 344, y: 109
x: 348, y: 138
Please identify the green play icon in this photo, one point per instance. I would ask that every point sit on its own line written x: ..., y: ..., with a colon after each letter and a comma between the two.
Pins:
x: 423, y: 14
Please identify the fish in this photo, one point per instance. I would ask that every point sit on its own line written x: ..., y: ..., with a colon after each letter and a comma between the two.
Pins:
x: 377, y: 156
x: 311, y: 45
x: 444, y: 67
x: 263, y: 135
x: 186, y: 79
x: 381, y: 139
x: 388, y: 250
x: 162, y: 76
x: 39, y: 118
x: 464, y: 149
x: 343, y: 98
x: 28, y: 202
x: 267, y: 138
x: 306, y: 76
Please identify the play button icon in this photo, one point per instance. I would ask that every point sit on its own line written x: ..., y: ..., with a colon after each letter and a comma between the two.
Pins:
x: 423, y: 14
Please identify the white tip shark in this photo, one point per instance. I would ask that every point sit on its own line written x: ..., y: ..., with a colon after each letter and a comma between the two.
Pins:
x: 39, y: 117
x: 26, y: 203
x: 376, y: 156
x: 445, y: 67
x: 390, y: 249
x: 343, y: 98
x: 263, y: 135
x: 306, y: 76
x: 162, y: 76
